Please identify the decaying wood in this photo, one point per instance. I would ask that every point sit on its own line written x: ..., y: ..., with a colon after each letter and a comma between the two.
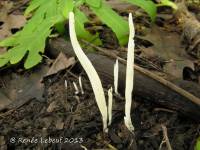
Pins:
x: 146, y: 87
x: 170, y: 85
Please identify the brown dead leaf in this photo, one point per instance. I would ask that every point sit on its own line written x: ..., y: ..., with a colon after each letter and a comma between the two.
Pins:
x: 167, y: 45
x: 59, y: 124
x: 9, y: 21
x: 52, y: 106
x: 61, y: 63
x: 21, y: 88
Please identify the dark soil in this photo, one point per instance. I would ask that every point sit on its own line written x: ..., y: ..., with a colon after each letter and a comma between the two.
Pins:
x: 71, y: 121
x: 75, y: 119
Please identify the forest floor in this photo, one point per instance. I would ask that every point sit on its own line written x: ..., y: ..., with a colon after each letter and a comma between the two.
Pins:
x: 38, y: 110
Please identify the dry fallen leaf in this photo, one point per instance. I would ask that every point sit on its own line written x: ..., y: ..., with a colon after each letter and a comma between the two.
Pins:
x: 167, y: 45
x: 52, y: 106
x: 61, y: 63
x: 59, y: 124
x: 20, y: 88
x: 9, y: 21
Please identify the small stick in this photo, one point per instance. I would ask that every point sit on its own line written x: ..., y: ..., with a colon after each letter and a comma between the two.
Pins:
x: 165, y: 138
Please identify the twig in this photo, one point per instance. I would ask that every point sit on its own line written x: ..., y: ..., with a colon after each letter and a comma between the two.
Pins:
x: 149, y: 74
x: 165, y: 138
x: 170, y: 85
x: 164, y: 109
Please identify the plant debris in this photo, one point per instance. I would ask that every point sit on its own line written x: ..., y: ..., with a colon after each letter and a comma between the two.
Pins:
x: 52, y: 105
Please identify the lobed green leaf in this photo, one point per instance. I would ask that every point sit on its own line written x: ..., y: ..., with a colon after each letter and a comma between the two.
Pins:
x: 114, y: 21
x: 146, y: 5
x: 94, y: 3
x: 197, y: 146
x: 168, y: 3
x: 31, y: 39
x: 80, y: 20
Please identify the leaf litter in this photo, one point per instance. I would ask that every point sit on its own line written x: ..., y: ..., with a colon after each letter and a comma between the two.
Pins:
x: 63, y: 114
x: 9, y: 22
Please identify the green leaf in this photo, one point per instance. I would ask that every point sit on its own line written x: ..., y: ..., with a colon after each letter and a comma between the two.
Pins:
x: 197, y: 146
x: 3, y: 60
x: 168, y: 3
x: 65, y: 6
x: 34, y: 5
x: 146, y: 5
x: 34, y: 45
x: 31, y: 39
x: 94, y: 3
x: 114, y: 21
x: 80, y: 20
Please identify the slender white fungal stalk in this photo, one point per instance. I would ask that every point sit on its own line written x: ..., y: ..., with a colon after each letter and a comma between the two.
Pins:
x: 91, y: 72
x: 65, y: 84
x: 110, y: 101
x: 129, y: 75
x: 116, y: 74
x: 80, y: 83
x: 76, y: 88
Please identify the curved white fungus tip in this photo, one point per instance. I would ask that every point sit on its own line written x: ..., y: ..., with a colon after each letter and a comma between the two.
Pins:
x: 131, y: 26
x: 80, y: 83
x: 110, y: 101
x: 116, y: 76
x: 90, y: 71
x: 129, y: 76
x: 85, y: 148
x: 76, y: 88
x: 65, y: 84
